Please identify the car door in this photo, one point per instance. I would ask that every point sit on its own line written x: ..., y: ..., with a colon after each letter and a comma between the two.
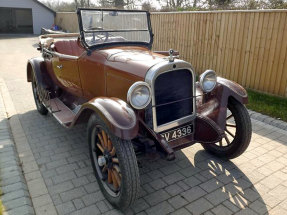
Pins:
x: 66, y: 70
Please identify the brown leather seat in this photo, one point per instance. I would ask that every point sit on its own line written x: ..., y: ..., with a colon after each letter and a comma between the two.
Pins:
x: 69, y: 47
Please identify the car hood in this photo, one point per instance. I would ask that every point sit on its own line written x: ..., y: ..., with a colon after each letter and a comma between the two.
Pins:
x: 133, y: 60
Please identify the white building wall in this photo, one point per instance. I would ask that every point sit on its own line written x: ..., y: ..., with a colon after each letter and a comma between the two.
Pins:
x: 42, y: 17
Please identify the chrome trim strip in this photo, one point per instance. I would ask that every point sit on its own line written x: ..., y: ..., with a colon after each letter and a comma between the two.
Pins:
x: 150, y: 78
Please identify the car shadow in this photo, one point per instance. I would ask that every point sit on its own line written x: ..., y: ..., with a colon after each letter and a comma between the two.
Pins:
x: 195, y: 175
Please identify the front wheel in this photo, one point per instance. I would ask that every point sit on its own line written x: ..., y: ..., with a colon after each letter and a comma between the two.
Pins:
x: 114, y: 163
x: 238, y: 132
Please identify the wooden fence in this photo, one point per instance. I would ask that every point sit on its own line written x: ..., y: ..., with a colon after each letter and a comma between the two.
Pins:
x: 249, y: 47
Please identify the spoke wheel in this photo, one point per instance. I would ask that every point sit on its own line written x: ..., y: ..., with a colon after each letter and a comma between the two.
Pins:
x: 106, y: 161
x: 40, y: 107
x: 114, y: 162
x: 238, y: 132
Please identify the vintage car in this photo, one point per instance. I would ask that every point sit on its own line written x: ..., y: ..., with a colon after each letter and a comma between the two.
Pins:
x: 134, y: 100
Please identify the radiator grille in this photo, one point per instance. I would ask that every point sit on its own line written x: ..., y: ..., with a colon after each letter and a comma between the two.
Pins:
x: 173, y: 96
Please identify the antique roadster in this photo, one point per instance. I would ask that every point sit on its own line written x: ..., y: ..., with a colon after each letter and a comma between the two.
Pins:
x: 133, y: 99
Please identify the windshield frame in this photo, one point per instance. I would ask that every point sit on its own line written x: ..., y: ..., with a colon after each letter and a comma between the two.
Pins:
x: 103, y: 45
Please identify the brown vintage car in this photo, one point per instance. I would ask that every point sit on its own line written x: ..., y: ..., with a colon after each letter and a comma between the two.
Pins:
x: 133, y: 99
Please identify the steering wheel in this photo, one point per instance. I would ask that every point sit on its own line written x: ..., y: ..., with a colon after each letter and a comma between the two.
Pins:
x: 103, y: 36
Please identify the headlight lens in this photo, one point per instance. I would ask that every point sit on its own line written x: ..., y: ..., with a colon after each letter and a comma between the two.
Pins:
x: 139, y: 95
x: 208, y: 80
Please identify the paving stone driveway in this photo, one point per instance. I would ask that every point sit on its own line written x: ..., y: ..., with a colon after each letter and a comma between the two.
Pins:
x: 194, y: 183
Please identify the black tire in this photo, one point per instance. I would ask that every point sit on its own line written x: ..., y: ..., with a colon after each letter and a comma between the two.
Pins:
x: 40, y: 107
x: 241, y: 137
x: 129, y: 185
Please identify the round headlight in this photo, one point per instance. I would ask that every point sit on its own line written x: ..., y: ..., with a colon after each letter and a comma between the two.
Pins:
x: 139, y: 95
x: 208, y: 80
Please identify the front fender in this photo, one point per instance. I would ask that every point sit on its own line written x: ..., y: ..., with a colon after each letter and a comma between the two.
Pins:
x: 117, y: 114
x: 214, y: 104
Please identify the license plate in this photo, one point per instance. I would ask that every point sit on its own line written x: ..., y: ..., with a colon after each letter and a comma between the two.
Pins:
x: 177, y: 133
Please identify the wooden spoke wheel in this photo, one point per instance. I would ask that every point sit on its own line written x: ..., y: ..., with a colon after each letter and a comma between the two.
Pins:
x: 114, y: 162
x: 40, y: 107
x: 238, y: 132
x: 107, y: 161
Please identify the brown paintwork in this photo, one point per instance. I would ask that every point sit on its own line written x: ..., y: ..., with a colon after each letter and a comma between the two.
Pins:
x: 101, y: 79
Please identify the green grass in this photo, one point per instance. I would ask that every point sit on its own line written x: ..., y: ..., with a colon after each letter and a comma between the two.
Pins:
x: 269, y: 105
x: 1, y: 206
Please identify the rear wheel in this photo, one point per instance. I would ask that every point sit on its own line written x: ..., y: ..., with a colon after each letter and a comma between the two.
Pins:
x: 114, y: 163
x: 40, y: 107
x: 238, y: 132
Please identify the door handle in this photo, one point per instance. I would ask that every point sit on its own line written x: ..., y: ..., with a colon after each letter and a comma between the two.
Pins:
x: 60, y: 66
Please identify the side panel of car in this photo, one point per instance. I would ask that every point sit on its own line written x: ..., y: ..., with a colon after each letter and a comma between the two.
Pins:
x: 67, y: 73
x: 92, y: 75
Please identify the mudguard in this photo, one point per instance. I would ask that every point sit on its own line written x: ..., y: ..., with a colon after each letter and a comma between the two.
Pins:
x: 38, y: 66
x: 214, y: 104
x: 117, y: 114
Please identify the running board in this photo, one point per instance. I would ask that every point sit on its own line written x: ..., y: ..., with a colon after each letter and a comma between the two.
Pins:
x: 61, y: 112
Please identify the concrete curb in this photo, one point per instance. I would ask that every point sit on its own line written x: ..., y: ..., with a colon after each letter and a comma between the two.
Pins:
x: 268, y: 120
x: 41, y: 199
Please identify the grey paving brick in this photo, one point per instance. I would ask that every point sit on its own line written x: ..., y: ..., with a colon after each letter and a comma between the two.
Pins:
x: 156, y: 197
x: 92, y: 187
x: 140, y: 205
x: 220, y: 209
x: 217, y: 196
x: 177, y: 201
x: 65, y: 208
x: 48, y: 209
x: 78, y: 203
x: 160, y: 209
x: 246, y: 211
x: 80, y: 181
x: 37, y: 187
x: 192, y: 181
x: 211, y: 185
x: 15, y: 203
x: 259, y: 207
x: 193, y: 194
x: 173, y: 189
x: 72, y: 194
x: 181, y: 211
x: 199, y: 206
x: 92, y: 198
x: 66, y: 168
x: 83, y: 171
x: 158, y: 184
x: 60, y: 188
x: 102, y: 206
x: 13, y: 187
x: 56, y: 163
x: 87, y: 211
x: 64, y: 177
x: 14, y: 195
x: 23, y: 210
x: 174, y: 177
x: 42, y: 200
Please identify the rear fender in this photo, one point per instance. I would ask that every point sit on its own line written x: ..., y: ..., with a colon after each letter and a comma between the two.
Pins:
x: 38, y: 67
x: 117, y: 114
x: 214, y: 104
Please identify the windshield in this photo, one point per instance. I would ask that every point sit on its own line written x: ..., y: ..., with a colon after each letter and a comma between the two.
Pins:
x: 101, y: 27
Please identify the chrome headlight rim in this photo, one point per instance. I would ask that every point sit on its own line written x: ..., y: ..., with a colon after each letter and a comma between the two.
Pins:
x: 131, y: 90
x: 202, y: 79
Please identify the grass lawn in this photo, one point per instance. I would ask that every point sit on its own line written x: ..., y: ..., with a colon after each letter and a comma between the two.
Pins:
x: 269, y: 105
x: 1, y: 206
